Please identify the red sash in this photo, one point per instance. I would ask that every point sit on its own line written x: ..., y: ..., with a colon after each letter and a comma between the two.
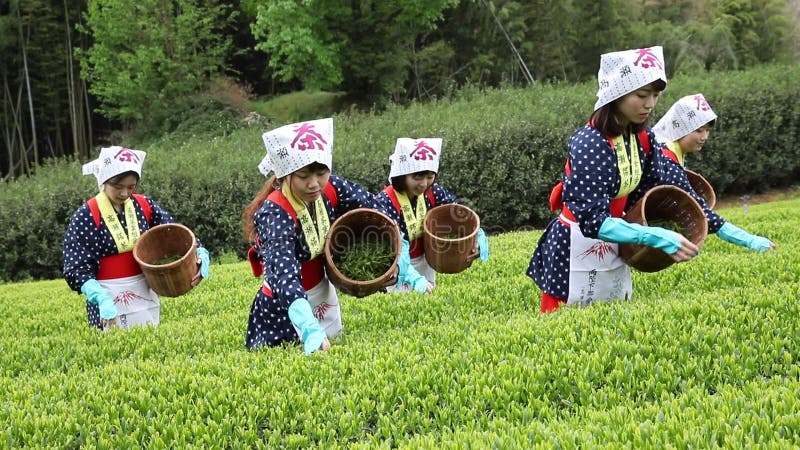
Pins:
x: 670, y: 154
x: 311, y: 272
x: 617, y: 205
x: 120, y: 265
x: 417, y: 245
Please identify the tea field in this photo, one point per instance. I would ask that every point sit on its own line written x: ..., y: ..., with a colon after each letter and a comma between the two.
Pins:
x: 706, y: 355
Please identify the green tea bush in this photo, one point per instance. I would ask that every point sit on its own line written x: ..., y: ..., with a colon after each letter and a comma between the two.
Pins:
x: 706, y: 354
x: 503, y: 151
x: 301, y: 105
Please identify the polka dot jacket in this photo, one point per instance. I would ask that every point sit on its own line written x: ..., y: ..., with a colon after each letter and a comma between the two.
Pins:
x: 588, y: 191
x: 85, y: 243
x: 384, y: 204
x: 283, y: 248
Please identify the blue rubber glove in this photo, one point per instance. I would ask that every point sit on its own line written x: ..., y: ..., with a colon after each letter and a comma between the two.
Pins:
x: 421, y: 284
x: 620, y: 231
x: 205, y: 261
x: 100, y: 296
x: 404, y: 262
x: 738, y: 236
x: 483, y: 244
x: 406, y: 273
x: 301, y: 316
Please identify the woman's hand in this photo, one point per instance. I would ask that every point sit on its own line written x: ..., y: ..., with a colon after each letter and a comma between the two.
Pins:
x: 198, y: 277
x: 687, y: 251
x: 108, y: 324
x: 203, y: 265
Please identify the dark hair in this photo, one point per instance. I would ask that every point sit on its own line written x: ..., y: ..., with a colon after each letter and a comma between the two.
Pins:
x: 711, y: 123
x: 315, y: 166
x: 605, y: 118
x: 399, y: 182
x: 117, y: 178
x: 272, y: 184
x: 249, y: 211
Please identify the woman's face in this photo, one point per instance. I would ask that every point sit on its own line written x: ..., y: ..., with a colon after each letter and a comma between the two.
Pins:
x: 694, y: 141
x: 635, y: 108
x: 418, y: 183
x: 307, y: 184
x: 120, y: 189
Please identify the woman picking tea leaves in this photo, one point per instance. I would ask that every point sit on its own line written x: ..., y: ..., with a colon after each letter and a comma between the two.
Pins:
x: 98, y: 244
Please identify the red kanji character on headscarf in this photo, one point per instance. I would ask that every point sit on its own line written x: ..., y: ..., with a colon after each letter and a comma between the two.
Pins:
x: 702, y: 104
x: 126, y: 155
x: 309, y: 139
x: 647, y: 58
x: 423, y: 151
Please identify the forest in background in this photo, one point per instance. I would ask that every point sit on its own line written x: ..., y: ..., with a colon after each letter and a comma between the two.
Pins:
x: 77, y: 74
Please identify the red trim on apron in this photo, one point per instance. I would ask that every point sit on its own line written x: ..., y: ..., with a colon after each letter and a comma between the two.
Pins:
x: 311, y: 272
x: 122, y: 264
x: 417, y: 247
x: 118, y: 266
x: 670, y: 154
x: 551, y: 303
x: 255, y: 263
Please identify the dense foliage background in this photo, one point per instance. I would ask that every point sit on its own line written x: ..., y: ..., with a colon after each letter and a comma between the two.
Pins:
x: 77, y: 74
x: 503, y: 151
x: 503, y: 82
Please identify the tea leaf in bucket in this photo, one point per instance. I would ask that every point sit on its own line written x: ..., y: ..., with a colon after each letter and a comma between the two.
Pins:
x: 167, y: 259
x: 667, y: 224
x: 364, y: 261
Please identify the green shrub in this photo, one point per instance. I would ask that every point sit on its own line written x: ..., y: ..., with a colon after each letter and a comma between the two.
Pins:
x: 705, y: 355
x: 503, y: 151
x: 298, y: 106
x: 199, y: 115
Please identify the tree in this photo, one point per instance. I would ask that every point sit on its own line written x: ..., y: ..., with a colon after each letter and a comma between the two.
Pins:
x: 147, y: 54
x: 362, y: 46
x: 45, y: 111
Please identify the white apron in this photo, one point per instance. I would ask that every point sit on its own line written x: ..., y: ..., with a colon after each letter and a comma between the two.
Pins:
x: 325, y: 306
x: 596, y: 272
x: 136, y: 303
x: 424, y: 269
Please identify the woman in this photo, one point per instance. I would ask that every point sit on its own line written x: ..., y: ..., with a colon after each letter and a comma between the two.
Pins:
x: 412, y: 192
x: 612, y: 162
x: 288, y: 222
x: 98, y: 244
x: 684, y: 129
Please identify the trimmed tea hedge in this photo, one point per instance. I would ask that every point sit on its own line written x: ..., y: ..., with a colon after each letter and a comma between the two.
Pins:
x: 503, y: 151
x: 706, y: 354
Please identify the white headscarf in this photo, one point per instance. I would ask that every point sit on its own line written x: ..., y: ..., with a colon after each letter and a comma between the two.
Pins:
x: 626, y: 71
x: 415, y: 155
x: 292, y: 147
x: 114, y: 161
x: 684, y: 116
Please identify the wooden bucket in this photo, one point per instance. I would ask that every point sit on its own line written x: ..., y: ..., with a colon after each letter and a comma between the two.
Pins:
x: 360, y: 225
x: 663, y: 203
x: 450, y: 237
x: 702, y: 187
x: 172, y: 279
